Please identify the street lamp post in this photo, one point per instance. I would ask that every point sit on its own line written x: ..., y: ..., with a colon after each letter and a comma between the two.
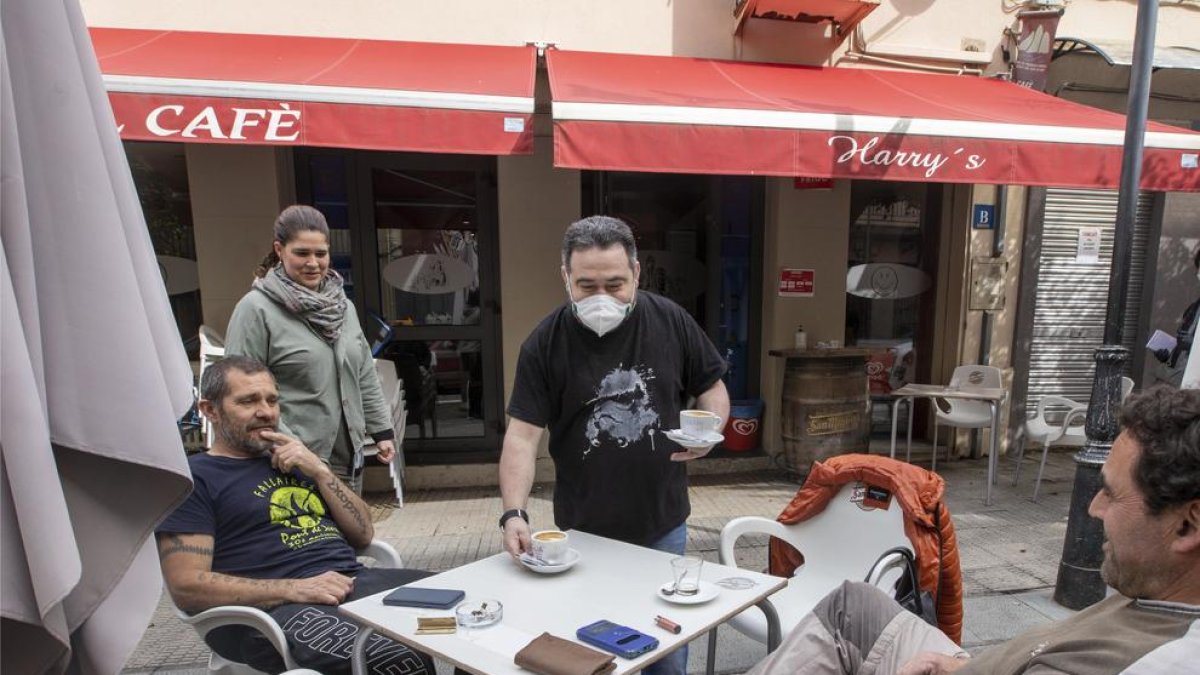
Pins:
x: 1079, y: 583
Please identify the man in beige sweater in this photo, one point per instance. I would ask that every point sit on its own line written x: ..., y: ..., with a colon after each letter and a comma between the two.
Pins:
x: 1149, y: 504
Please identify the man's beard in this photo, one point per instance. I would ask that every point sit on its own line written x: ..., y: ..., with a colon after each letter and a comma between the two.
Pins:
x: 1127, y: 577
x: 243, y: 438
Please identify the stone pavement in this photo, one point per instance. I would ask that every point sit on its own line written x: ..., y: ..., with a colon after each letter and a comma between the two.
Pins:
x: 1010, y: 550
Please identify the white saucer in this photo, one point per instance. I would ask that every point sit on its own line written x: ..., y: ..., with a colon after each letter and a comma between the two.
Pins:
x: 707, y: 592
x: 534, y: 565
x: 707, y: 441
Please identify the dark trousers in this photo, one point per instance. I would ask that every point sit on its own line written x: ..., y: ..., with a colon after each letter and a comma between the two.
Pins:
x: 321, y: 639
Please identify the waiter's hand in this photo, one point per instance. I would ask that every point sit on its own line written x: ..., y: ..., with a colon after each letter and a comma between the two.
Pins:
x: 689, y: 454
x: 516, y: 536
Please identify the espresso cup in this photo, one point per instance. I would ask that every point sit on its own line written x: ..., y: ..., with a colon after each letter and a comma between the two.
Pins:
x: 699, y: 423
x: 550, y: 546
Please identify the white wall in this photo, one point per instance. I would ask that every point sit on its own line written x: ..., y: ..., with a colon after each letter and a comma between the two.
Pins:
x: 235, y: 198
x: 683, y: 27
x: 805, y: 229
x: 537, y: 202
x: 618, y: 25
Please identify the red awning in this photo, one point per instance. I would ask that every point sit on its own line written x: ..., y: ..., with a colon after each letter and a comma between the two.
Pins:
x: 681, y: 115
x: 272, y: 89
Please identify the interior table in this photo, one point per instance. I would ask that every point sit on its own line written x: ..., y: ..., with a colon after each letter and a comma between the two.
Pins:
x: 613, y: 580
x: 993, y: 396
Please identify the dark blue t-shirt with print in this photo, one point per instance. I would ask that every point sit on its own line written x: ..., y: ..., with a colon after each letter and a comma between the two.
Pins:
x: 265, y: 524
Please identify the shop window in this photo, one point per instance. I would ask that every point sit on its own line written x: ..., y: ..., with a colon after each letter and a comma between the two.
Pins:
x: 699, y: 240
x: 892, y: 268
x: 160, y: 176
x: 327, y: 182
x: 428, y: 245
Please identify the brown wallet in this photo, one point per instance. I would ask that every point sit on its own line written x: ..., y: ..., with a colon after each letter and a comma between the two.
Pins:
x: 550, y: 655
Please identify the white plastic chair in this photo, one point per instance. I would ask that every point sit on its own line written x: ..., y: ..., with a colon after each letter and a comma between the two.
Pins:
x: 964, y: 414
x: 831, y: 555
x: 1067, y: 432
x: 233, y: 615
x: 212, y: 349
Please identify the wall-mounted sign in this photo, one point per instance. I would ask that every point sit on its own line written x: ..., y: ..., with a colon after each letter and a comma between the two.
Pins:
x: 1087, y: 250
x: 794, y: 283
x: 885, y: 281
x: 983, y: 217
x: 1035, y: 48
x: 428, y: 274
x: 810, y: 183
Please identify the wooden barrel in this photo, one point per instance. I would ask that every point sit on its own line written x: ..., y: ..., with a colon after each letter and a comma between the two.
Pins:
x: 825, y: 405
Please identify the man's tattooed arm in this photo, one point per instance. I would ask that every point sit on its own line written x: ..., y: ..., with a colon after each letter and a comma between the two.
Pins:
x: 171, y: 543
x: 186, y: 561
x: 348, y: 511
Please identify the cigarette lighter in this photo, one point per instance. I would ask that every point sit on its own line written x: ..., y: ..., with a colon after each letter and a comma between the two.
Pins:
x: 667, y: 624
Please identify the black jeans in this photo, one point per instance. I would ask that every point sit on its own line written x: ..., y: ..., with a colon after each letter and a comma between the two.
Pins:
x: 321, y: 639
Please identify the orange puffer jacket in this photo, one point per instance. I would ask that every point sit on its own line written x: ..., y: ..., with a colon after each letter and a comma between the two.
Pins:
x: 926, y: 523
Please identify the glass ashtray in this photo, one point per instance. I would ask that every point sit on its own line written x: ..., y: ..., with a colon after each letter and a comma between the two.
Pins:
x: 478, y: 613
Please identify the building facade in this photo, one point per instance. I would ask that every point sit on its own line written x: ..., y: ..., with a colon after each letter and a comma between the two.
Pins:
x: 457, y: 252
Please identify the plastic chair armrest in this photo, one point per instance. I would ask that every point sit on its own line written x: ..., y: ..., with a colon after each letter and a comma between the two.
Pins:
x: 882, y: 567
x: 1059, y: 401
x: 739, y: 527
x: 234, y: 615
x: 383, y: 553
x: 1072, y: 416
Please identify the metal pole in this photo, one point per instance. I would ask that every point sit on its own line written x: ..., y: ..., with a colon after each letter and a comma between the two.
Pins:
x: 1079, y: 583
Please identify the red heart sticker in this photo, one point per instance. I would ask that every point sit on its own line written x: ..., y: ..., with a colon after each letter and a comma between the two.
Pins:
x: 745, y: 427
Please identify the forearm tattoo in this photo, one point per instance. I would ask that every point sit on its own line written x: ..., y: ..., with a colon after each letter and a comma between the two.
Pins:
x: 255, y: 587
x: 174, y: 544
x: 339, y: 491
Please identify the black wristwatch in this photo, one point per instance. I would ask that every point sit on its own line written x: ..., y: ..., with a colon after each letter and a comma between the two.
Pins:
x: 512, y: 513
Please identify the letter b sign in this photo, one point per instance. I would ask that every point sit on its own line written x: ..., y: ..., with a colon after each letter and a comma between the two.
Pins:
x: 983, y: 217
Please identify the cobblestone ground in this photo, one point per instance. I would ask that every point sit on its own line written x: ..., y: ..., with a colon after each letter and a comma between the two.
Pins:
x: 1012, y: 546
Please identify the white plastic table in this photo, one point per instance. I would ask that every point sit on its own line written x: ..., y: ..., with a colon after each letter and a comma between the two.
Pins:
x: 993, y: 396
x: 613, y: 580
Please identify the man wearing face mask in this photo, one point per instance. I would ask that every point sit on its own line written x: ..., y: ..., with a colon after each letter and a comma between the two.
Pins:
x: 607, y: 373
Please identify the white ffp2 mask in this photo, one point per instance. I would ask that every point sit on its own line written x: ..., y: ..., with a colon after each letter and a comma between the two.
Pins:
x: 601, y: 313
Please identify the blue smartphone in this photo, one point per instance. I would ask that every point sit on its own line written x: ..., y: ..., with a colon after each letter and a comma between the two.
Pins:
x: 620, y: 640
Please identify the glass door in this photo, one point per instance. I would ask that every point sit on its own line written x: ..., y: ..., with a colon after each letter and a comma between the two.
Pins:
x: 424, y: 261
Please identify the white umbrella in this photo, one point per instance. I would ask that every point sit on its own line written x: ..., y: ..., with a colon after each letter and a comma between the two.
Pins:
x: 92, y: 371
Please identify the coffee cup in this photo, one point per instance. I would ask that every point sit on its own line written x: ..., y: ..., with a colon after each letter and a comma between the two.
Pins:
x: 550, y: 546
x: 699, y: 423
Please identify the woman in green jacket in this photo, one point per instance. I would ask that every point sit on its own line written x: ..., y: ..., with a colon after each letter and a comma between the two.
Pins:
x: 297, y: 320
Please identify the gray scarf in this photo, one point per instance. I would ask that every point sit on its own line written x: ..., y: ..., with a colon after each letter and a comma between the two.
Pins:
x: 323, y: 310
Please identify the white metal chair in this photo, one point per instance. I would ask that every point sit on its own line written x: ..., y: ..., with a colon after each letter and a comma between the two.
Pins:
x: 393, y: 393
x: 232, y: 615
x: 212, y: 349
x: 1067, y: 432
x: 831, y: 555
x: 963, y: 414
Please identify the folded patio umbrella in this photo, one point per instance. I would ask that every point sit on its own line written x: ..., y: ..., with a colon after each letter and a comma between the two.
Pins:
x: 92, y: 371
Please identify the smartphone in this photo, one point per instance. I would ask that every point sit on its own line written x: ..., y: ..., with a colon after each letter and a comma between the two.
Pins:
x: 620, y: 640
x: 433, y: 598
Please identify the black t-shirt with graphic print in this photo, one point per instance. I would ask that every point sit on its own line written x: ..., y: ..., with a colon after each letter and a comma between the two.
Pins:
x: 265, y: 524
x: 607, y: 402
